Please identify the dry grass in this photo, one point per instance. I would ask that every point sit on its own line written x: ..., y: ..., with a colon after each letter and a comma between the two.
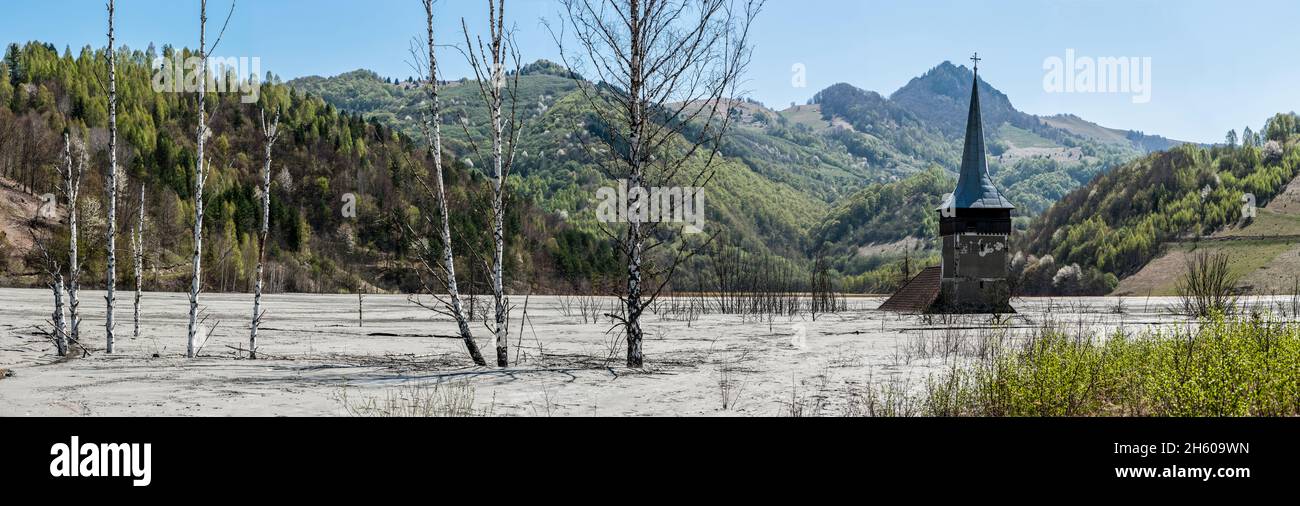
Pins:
x: 447, y: 399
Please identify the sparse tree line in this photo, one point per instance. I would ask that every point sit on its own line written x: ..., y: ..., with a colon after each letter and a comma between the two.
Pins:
x: 735, y: 281
x: 725, y: 279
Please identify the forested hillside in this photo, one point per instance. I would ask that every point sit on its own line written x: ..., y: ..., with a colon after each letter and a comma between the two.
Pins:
x: 1090, y: 130
x: 398, y: 103
x: 853, y: 176
x: 882, y: 234
x: 1122, y: 219
x: 325, y: 160
x: 784, y: 172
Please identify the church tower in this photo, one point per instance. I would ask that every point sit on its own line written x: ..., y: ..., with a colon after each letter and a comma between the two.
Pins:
x: 974, y: 225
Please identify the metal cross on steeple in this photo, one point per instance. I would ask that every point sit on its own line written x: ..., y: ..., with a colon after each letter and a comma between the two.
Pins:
x: 976, y: 58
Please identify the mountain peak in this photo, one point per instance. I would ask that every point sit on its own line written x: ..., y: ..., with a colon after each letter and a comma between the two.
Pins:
x: 941, y: 97
x: 948, y: 67
x: 945, y: 79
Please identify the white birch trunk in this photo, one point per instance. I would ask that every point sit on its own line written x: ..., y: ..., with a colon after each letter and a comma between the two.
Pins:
x: 72, y: 190
x: 112, y: 180
x: 137, y: 243
x: 52, y: 268
x: 498, y: 213
x: 492, y: 83
x: 200, y: 176
x: 449, y: 257
x: 270, y: 135
x: 636, y: 119
x: 60, y: 325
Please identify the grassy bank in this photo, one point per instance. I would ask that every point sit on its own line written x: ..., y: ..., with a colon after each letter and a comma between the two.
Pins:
x: 1224, y: 367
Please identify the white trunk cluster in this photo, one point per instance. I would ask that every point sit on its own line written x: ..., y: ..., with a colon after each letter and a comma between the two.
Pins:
x: 61, y: 340
x: 59, y: 334
x: 72, y: 192
x: 435, y: 151
x: 61, y: 337
x: 489, y: 69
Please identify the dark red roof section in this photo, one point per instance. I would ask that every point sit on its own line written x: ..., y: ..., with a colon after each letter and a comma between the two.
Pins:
x: 918, y: 294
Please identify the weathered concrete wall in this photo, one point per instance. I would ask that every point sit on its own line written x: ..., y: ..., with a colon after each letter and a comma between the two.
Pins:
x: 968, y: 295
x: 975, y: 256
x: 974, y: 275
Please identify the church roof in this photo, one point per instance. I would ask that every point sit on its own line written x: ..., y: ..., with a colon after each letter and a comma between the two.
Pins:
x: 918, y: 295
x: 975, y: 189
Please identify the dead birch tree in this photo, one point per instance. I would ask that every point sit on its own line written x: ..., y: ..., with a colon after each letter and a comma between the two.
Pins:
x: 269, y: 135
x: 59, y: 333
x: 665, y: 72
x: 72, y: 183
x: 72, y: 192
x: 489, y: 62
x: 451, y: 305
x: 137, y: 248
x: 200, y: 174
x: 111, y: 182
x: 200, y: 177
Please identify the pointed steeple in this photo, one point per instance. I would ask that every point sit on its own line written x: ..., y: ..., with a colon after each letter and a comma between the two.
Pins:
x: 975, y: 189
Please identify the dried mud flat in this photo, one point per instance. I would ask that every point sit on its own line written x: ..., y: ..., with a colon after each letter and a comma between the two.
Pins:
x: 319, y: 362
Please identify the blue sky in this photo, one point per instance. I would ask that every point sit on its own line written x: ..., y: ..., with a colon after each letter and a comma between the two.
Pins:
x: 1215, y: 65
